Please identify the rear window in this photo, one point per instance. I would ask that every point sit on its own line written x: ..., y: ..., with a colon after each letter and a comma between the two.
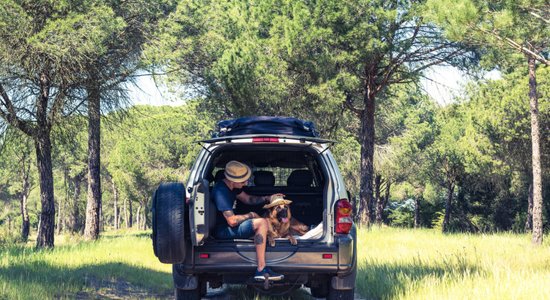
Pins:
x: 281, y: 175
x: 285, y: 167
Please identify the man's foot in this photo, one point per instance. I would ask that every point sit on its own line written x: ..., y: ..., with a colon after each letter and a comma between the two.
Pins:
x: 266, y: 273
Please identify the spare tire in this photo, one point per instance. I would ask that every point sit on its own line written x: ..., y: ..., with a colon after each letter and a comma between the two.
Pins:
x: 169, y: 222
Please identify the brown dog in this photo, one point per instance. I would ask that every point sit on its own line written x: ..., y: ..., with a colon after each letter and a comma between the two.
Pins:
x: 280, y: 221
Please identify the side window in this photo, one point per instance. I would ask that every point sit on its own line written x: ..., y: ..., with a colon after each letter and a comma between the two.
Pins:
x: 215, y: 175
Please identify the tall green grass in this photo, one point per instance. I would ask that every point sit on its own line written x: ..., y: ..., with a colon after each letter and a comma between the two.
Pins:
x: 392, y: 264
x: 121, y: 265
x: 118, y: 265
x: 425, y: 264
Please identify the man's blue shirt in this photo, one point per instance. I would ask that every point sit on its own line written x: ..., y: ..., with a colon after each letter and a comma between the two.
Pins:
x: 224, y: 198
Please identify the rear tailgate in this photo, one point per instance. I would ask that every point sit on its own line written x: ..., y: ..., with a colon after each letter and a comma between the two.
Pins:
x: 307, y: 257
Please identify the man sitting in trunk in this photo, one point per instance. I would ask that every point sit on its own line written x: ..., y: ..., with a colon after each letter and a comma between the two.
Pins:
x: 231, y: 226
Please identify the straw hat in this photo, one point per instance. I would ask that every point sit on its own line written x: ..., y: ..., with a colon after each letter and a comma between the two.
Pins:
x: 276, y: 200
x: 237, y: 172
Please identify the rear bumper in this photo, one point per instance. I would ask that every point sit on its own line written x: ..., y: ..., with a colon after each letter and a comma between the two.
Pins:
x: 231, y: 258
x: 235, y: 263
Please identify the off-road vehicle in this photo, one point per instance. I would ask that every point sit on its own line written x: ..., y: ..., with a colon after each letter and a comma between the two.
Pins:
x: 286, y: 156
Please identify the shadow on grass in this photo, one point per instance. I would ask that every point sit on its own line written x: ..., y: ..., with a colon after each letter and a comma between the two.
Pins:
x: 246, y: 293
x: 30, y: 280
x: 377, y: 280
x: 111, y: 236
x: 42, y: 280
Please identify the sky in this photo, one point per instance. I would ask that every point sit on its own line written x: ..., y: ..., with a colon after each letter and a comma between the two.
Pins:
x: 444, y: 85
x: 147, y: 92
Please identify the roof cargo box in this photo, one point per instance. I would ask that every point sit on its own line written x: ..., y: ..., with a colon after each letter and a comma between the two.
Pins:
x: 265, y: 125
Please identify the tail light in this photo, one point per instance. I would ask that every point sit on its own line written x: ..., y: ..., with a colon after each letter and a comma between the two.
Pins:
x: 265, y: 140
x: 343, y: 216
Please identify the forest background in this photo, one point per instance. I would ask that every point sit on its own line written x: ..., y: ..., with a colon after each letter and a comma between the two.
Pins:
x: 76, y: 156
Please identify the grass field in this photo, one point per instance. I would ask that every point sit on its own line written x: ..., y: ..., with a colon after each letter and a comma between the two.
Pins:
x: 425, y: 264
x: 393, y: 264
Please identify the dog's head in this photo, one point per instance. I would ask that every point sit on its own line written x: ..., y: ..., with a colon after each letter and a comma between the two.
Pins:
x: 281, y: 213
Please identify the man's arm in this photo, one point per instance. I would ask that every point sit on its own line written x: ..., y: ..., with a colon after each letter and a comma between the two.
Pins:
x: 255, y: 200
x: 252, y: 199
x: 234, y: 220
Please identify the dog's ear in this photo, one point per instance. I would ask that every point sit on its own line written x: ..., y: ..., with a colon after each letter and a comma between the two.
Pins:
x: 273, y: 212
x: 288, y: 211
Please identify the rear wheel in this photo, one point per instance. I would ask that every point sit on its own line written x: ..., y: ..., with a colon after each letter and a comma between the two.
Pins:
x: 340, y: 294
x: 195, y: 294
x: 188, y: 294
x: 169, y: 222
x: 320, y: 291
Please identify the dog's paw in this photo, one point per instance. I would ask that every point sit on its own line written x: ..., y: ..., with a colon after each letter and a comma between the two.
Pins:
x: 271, y: 242
x: 293, y: 241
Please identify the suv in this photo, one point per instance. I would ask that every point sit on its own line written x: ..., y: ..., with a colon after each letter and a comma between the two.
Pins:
x: 286, y: 156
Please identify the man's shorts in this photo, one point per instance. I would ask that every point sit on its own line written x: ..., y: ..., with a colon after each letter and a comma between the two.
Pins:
x: 245, y: 230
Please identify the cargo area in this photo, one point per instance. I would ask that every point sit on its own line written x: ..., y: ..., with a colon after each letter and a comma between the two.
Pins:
x: 291, y: 170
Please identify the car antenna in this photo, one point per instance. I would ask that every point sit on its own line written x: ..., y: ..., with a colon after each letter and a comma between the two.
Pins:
x: 203, y: 147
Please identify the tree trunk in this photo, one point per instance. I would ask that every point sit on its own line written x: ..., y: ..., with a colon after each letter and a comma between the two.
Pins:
x: 125, y: 209
x: 448, y: 207
x: 381, y: 205
x: 91, y: 231
x: 529, y: 221
x: 25, y: 225
x: 24, y: 197
x: 138, y: 216
x: 367, y: 156
x: 74, y: 219
x: 417, y: 212
x: 145, y: 212
x: 101, y: 220
x: 43, y: 146
x: 116, y: 210
x: 353, y: 203
x: 59, y: 216
x: 130, y: 214
x: 62, y: 220
x: 377, y: 197
x: 535, y: 142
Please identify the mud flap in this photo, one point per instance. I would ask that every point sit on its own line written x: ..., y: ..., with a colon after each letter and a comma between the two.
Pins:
x: 344, y: 282
x: 185, y: 281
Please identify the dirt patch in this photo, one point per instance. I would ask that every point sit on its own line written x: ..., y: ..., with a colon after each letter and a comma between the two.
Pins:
x: 117, y: 289
x: 121, y: 289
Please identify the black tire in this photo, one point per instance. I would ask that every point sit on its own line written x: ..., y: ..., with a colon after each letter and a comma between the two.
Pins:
x: 203, y: 288
x: 195, y: 294
x: 320, y: 291
x: 188, y: 294
x: 169, y: 222
x: 340, y: 294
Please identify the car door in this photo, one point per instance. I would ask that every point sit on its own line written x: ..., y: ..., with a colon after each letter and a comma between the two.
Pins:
x: 199, y: 206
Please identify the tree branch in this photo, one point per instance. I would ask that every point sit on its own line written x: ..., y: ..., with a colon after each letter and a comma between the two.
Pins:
x: 516, y: 46
x: 57, y: 105
x: 11, y: 115
x: 349, y: 104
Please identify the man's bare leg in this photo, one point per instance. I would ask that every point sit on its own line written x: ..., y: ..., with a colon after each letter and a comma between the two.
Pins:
x: 260, y: 238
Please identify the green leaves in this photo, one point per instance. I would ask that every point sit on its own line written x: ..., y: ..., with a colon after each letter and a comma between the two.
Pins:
x: 153, y: 145
x: 457, y: 17
x: 78, y: 36
x: 502, y: 28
